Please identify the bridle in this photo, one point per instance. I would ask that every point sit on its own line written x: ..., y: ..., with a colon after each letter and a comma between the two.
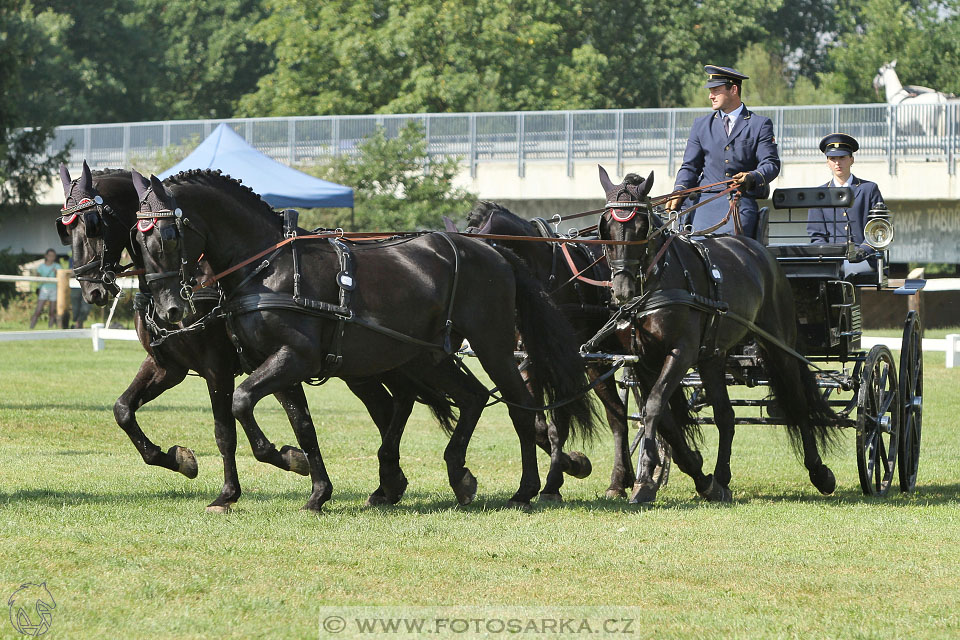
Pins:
x: 97, y: 217
x: 171, y: 238
x: 623, y: 211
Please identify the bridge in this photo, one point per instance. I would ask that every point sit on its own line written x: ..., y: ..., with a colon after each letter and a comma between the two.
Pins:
x: 544, y: 162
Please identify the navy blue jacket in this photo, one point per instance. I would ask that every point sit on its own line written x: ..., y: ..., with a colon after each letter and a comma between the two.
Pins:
x: 712, y: 156
x: 831, y: 224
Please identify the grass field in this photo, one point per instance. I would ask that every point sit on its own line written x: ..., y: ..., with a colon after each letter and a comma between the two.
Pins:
x: 127, y: 550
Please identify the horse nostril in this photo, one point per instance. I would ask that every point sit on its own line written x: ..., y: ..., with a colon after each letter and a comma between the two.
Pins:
x: 173, y: 314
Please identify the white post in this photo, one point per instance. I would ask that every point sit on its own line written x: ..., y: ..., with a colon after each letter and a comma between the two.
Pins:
x: 95, y: 334
x: 953, y: 341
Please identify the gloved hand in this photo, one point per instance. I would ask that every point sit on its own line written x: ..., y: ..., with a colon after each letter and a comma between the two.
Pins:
x: 862, y: 254
x: 673, y: 204
x: 746, y: 180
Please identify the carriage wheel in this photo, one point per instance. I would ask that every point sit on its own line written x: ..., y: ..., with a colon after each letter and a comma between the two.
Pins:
x: 911, y: 397
x: 661, y: 473
x: 878, y: 421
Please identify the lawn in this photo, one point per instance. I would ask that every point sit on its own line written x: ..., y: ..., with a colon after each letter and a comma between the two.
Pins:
x: 126, y: 550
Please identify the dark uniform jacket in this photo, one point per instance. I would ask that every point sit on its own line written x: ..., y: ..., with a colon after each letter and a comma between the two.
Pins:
x: 831, y: 224
x: 712, y: 156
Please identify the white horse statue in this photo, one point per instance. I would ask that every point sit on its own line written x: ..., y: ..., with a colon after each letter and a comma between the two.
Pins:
x: 924, y: 119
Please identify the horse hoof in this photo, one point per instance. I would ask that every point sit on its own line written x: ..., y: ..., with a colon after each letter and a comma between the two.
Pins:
x: 716, y: 492
x: 616, y: 494
x: 312, y: 508
x: 466, y: 489
x: 580, y: 466
x: 186, y: 461
x: 295, y: 460
x: 643, y: 493
x: 393, y: 490
x: 551, y: 497
x: 519, y: 505
x: 218, y: 508
x: 824, y: 480
x: 376, y: 500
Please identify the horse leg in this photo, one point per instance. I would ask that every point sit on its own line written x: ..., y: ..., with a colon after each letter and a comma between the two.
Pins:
x: 502, y: 370
x: 151, y: 381
x: 390, y: 414
x: 220, y: 388
x: 280, y: 374
x: 622, y: 475
x: 657, y: 410
x: 714, y: 382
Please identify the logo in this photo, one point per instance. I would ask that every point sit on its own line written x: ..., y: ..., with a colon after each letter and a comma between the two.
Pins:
x: 31, y: 609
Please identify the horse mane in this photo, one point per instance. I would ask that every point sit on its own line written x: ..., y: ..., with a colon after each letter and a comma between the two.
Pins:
x: 481, y: 213
x: 219, y: 180
x: 109, y: 173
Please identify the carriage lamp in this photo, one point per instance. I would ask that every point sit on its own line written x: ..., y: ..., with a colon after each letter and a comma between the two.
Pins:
x: 878, y: 231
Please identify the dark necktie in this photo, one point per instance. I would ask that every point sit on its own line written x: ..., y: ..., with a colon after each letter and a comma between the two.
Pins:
x: 727, y: 124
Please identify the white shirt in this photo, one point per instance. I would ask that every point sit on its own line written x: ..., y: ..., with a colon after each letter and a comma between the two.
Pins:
x: 845, y: 184
x: 733, y: 115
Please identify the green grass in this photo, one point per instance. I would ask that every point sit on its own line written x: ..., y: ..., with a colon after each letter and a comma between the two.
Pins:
x: 128, y: 551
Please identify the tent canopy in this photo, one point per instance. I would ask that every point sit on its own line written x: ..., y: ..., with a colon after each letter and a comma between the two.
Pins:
x: 279, y: 185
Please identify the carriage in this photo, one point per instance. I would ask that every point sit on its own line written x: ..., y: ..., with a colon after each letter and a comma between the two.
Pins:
x: 866, y: 387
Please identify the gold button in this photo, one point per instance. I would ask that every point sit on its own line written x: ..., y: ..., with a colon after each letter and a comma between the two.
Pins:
x: 726, y: 148
x: 726, y: 161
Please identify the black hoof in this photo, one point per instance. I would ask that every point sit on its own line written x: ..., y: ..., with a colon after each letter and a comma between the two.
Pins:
x: 394, y: 488
x: 551, y: 497
x: 377, y: 500
x: 466, y: 489
x: 519, y: 505
x: 295, y: 460
x: 643, y: 492
x: 824, y: 480
x: 186, y: 461
x: 715, y: 492
x: 580, y: 466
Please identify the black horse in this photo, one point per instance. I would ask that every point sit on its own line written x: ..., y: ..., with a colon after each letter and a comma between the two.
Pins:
x: 323, y: 308
x: 586, y: 304
x: 699, y: 299
x: 100, y: 212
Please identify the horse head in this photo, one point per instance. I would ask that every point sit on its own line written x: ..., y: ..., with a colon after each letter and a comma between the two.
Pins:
x: 627, y: 217
x: 490, y: 217
x: 160, y: 230
x: 95, y: 234
x: 887, y: 78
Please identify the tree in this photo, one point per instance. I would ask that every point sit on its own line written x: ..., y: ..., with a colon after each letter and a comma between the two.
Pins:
x: 24, y: 164
x: 398, y: 187
x: 400, y: 56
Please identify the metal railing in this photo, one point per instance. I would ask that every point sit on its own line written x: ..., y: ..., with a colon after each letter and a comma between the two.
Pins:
x: 930, y: 132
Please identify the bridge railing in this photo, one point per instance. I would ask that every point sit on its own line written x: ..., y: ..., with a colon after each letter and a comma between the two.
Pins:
x: 930, y: 132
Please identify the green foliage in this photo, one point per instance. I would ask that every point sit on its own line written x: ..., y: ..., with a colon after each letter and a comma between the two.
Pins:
x: 24, y: 164
x: 770, y: 84
x: 398, y: 187
x: 9, y: 262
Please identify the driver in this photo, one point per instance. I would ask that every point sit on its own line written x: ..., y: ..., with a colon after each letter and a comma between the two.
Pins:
x: 837, y: 224
x: 731, y: 143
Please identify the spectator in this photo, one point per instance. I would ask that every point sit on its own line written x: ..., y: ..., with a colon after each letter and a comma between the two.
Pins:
x: 47, y: 291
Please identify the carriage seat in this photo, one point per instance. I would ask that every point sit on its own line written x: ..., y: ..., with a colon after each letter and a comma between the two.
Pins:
x: 807, y: 260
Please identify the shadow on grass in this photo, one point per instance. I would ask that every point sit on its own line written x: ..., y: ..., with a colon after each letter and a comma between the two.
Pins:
x: 416, y: 502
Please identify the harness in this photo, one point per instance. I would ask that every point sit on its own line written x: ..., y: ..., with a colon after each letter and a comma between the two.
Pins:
x: 95, y: 223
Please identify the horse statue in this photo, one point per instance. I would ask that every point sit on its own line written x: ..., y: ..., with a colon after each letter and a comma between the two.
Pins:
x: 686, y: 304
x: 99, y: 213
x: 324, y: 307
x: 927, y: 119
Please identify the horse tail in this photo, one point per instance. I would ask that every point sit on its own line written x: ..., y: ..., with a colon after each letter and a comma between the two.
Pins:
x: 441, y: 406
x: 685, y: 419
x: 551, y: 344
x: 800, y: 400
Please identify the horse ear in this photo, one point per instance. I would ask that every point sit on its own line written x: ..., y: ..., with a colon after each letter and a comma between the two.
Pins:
x: 65, y: 179
x: 605, y: 181
x: 140, y: 183
x: 894, y: 63
x: 86, y: 179
x: 450, y: 225
x: 647, y: 185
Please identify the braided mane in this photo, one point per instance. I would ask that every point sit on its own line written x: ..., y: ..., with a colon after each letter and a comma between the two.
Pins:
x: 107, y: 173
x: 217, y: 179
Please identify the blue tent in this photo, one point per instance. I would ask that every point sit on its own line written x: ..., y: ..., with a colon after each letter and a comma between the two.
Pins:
x: 279, y: 185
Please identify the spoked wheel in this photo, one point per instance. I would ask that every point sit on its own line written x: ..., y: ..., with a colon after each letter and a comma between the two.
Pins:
x: 878, y: 421
x: 911, y: 397
x: 629, y: 389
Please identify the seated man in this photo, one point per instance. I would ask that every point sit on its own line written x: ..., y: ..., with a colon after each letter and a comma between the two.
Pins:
x: 840, y: 224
